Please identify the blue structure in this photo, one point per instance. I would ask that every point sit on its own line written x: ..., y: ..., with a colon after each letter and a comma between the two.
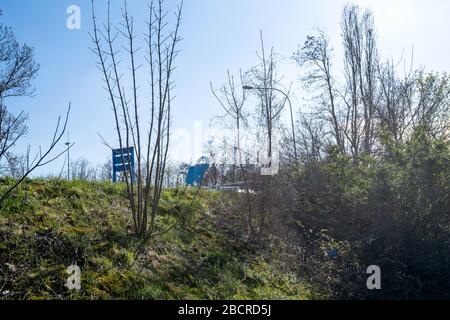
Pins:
x: 122, y: 160
x: 333, y: 253
x: 196, y: 173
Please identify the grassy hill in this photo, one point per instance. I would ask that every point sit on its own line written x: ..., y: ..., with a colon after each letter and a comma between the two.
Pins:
x: 47, y: 226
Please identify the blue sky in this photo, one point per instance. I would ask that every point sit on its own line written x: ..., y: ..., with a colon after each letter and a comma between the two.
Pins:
x: 218, y: 34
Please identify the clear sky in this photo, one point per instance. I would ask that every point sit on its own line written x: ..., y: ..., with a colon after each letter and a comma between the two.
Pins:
x: 218, y: 34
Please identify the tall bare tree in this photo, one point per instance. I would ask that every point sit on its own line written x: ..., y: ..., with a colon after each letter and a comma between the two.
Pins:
x: 315, y: 56
x: 264, y: 80
x: 232, y: 98
x: 360, y: 62
x: 152, y: 145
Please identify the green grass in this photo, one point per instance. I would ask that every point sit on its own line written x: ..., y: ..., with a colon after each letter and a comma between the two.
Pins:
x: 45, y: 226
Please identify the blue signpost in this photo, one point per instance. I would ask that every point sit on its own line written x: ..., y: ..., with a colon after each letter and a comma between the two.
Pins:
x: 122, y: 160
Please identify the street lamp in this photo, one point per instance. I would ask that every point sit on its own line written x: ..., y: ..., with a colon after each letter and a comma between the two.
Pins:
x: 290, y: 108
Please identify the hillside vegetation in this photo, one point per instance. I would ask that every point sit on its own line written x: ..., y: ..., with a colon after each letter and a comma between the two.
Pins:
x: 46, y: 226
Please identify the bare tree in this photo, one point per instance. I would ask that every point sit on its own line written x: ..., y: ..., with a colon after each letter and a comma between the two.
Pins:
x: 395, y: 100
x: 431, y: 103
x: 43, y: 157
x: 350, y: 113
x: 17, y: 165
x: 232, y: 98
x: 361, y: 59
x: 18, y: 68
x: 82, y: 170
x: 17, y: 71
x: 312, y: 139
x: 105, y: 171
x: 374, y: 96
x: 368, y: 80
x: 315, y: 55
x: 263, y: 77
x: 417, y: 99
x: 144, y: 190
x: 12, y: 128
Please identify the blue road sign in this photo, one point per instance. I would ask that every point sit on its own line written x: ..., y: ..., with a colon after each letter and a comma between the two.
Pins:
x: 123, y: 160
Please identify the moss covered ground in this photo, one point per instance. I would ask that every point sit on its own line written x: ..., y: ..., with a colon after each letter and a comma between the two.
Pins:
x: 48, y: 225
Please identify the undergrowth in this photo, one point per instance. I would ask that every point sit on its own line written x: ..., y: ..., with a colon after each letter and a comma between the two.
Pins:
x: 46, y: 226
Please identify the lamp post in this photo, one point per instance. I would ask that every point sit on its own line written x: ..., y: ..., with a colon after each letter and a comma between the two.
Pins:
x: 290, y: 108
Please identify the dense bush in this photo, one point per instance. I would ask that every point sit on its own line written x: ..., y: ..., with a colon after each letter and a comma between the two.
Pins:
x: 344, y: 215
